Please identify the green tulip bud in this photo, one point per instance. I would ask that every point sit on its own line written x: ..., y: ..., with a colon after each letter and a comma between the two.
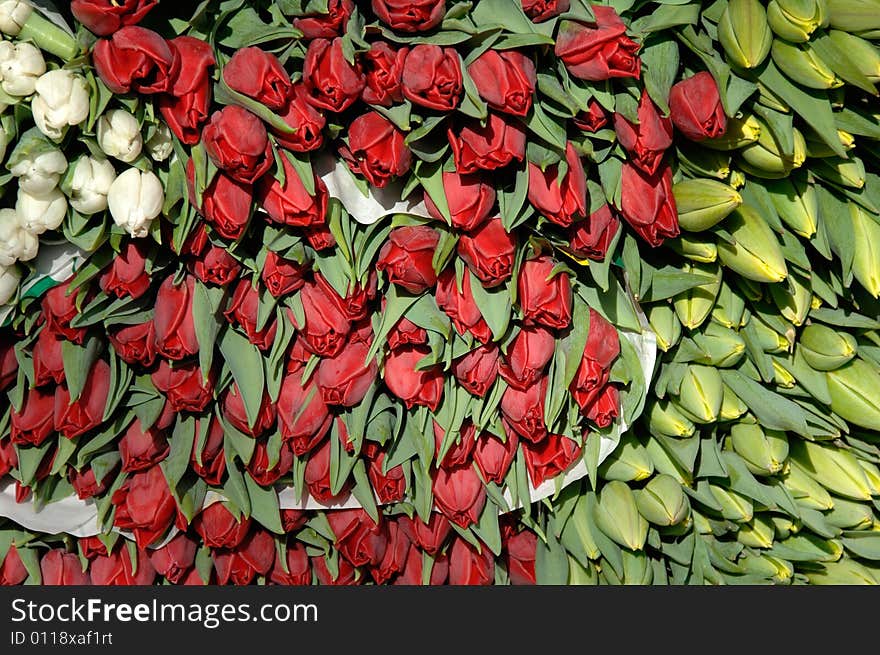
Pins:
x: 664, y: 418
x: 694, y: 305
x: 866, y: 249
x: 796, y: 20
x: 765, y: 159
x: 629, y: 462
x: 872, y: 475
x: 755, y: 254
x: 729, y: 308
x: 763, y: 451
x: 773, y: 568
x: 732, y: 407
x: 853, y: 388
x: 803, y: 65
x: 757, y: 533
x: 769, y: 339
x: 860, y: 52
x: 794, y: 299
x: 701, y: 162
x: 768, y: 98
x: 834, y: 468
x: 782, y: 377
x: 804, y: 489
x: 695, y: 247
x: 665, y: 325
x: 663, y: 463
x: 734, y: 506
x: 796, y: 203
x: 783, y: 526
x: 637, y: 569
x: 850, y: 515
x: 844, y: 172
x: 702, y: 203
x: 700, y: 393
x: 854, y: 15
x: 843, y: 572
x: 816, y: 148
x: 740, y: 132
x: 578, y: 575
x: 744, y: 33
x: 722, y: 346
x: 617, y: 516
x: 826, y: 349
x: 662, y: 501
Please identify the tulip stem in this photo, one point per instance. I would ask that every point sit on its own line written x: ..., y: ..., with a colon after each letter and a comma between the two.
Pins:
x: 49, y: 37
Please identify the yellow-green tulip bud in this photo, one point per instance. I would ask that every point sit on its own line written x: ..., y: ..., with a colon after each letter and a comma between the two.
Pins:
x: 826, y: 349
x: 872, y: 475
x: 696, y: 247
x: 834, y: 468
x: 862, y: 53
x: 796, y: 203
x: 637, y: 569
x: 744, y: 33
x: 740, y: 132
x: 757, y: 533
x: 804, y: 489
x: 729, y: 308
x: 617, y: 516
x: 765, y: 159
x: 629, y: 462
x: 703, y: 162
x: 665, y: 325
x: 662, y: 501
x: 578, y: 575
x: 845, y: 572
x: 664, y: 418
x: 764, y: 451
x: 866, y: 249
x: 769, y: 339
x: 854, y: 15
x: 702, y: 203
x: 853, y: 388
x: 732, y: 407
x: 794, y: 299
x: 850, y: 515
x: 783, y: 526
x: 694, y: 305
x: 734, y: 506
x: 722, y: 346
x: 700, y: 393
x: 756, y: 253
x: 803, y: 65
x: 845, y: 172
x: 796, y: 20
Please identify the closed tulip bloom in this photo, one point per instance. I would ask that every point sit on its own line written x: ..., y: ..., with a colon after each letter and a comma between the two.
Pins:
x: 648, y: 204
x: 470, y: 199
x: 173, y: 321
x: 544, y: 300
x: 58, y: 567
x: 259, y: 75
x: 21, y: 64
x: 61, y: 100
x: 412, y: 386
x: 135, y: 199
x: 90, y: 184
x: 16, y: 243
x: 598, y: 52
x: 40, y: 171
x: 560, y: 201
x: 527, y: 357
x: 119, y: 135
x: 647, y: 140
x: 459, y: 494
x: 489, y: 252
x: 695, y: 107
x: 505, y: 79
x: 39, y: 213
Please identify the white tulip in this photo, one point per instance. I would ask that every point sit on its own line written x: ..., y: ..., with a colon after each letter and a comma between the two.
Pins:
x: 119, y: 135
x: 13, y: 15
x: 160, y: 145
x: 38, y: 213
x: 20, y: 66
x: 39, y: 173
x: 62, y: 99
x: 135, y: 199
x: 90, y: 184
x: 9, y: 279
x: 16, y: 244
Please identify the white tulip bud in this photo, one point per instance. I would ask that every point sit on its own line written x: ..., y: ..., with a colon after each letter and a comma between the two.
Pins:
x: 135, y: 199
x: 13, y: 15
x: 119, y: 135
x: 16, y: 244
x: 36, y: 214
x: 88, y: 186
x: 9, y: 279
x: 20, y: 66
x: 160, y: 145
x: 40, y: 172
x: 62, y: 99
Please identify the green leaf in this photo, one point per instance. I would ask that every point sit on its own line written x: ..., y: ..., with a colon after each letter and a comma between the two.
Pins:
x: 659, y: 67
x: 510, y: 202
x: 494, y: 304
x: 176, y: 464
x: 772, y: 410
x: 246, y: 364
x: 78, y: 361
x: 264, y: 505
x: 363, y: 491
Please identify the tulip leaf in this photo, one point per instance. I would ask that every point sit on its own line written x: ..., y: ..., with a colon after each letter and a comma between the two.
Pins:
x: 660, y: 62
x: 224, y: 95
x: 341, y: 462
x: 264, y: 505
x: 363, y: 490
x: 510, y: 202
x: 29, y: 460
x: 78, y: 362
x: 175, y: 465
x: 507, y: 14
x: 494, y: 305
x: 246, y: 364
x: 206, y: 320
x: 551, y: 562
x: 666, y: 16
x: 235, y: 489
x: 772, y: 410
